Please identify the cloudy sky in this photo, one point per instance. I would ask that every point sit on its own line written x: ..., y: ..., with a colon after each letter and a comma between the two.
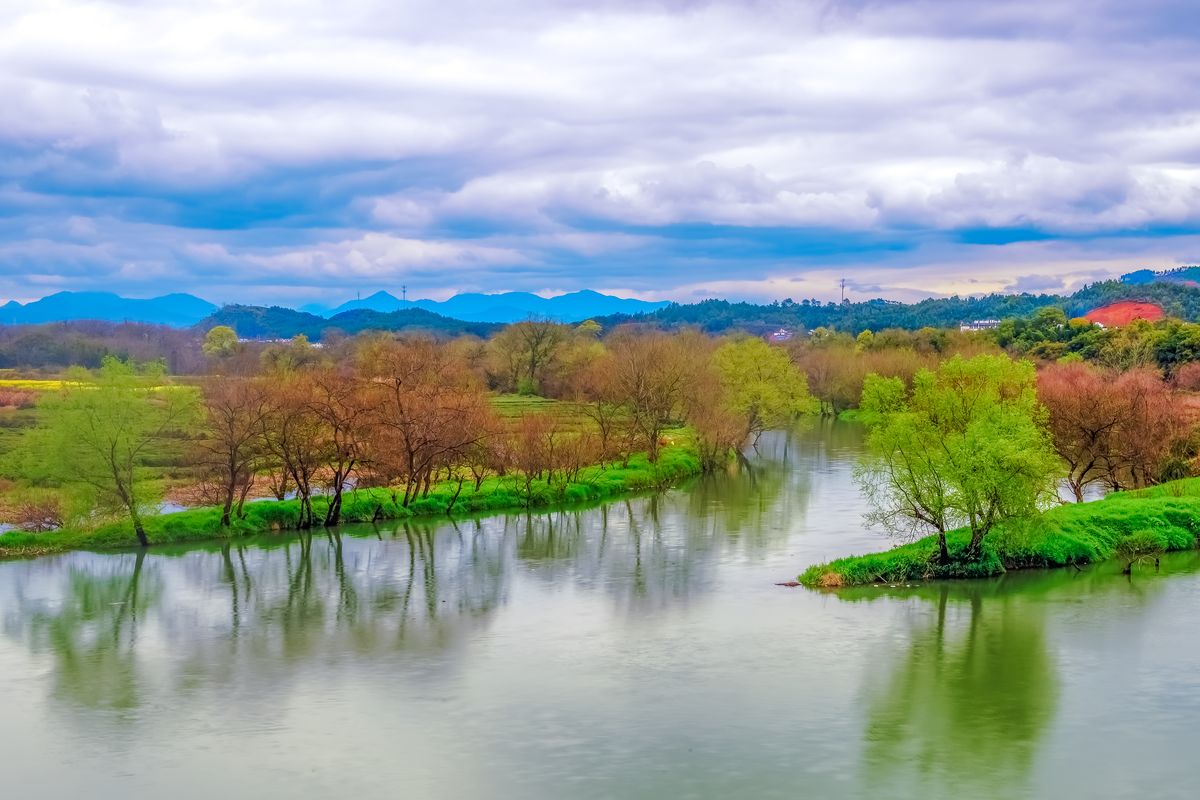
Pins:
x: 299, y: 150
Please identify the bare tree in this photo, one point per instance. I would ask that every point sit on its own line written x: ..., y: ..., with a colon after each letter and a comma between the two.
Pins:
x: 340, y: 401
x: 232, y: 449
x: 1111, y: 428
x: 428, y: 411
x: 295, y: 434
x: 653, y: 373
x: 525, y: 351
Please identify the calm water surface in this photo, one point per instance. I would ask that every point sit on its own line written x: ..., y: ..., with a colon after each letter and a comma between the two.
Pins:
x: 638, y: 650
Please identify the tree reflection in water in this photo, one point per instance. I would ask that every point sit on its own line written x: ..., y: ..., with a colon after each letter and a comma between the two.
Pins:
x: 247, y: 612
x: 965, y: 705
x: 92, y: 628
x: 417, y: 587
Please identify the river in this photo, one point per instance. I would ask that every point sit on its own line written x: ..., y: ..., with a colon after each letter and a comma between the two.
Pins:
x: 635, y: 650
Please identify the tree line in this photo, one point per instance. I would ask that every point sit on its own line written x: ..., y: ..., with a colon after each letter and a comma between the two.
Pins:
x: 718, y: 316
x: 962, y: 434
x: 403, y: 413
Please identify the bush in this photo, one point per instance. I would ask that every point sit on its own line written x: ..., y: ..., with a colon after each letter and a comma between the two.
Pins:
x: 37, y: 511
x: 17, y: 398
x: 1141, y: 545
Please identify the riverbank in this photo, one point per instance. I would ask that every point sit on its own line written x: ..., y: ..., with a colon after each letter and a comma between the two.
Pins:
x: 1162, y: 518
x: 676, y: 462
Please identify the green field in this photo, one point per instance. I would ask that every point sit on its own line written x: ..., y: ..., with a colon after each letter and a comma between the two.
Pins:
x: 510, y: 407
x: 1166, y: 516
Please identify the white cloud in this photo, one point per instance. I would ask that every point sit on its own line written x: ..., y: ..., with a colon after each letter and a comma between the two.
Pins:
x: 380, y: 256
x: 371, y: 139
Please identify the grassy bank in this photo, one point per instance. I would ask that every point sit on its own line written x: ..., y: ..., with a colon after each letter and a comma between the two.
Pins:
x: 1165, y: 517
x: 676, y: 462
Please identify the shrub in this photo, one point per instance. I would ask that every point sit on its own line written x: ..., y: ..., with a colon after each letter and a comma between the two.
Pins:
x: 37, y: 511
x: 17, y: 398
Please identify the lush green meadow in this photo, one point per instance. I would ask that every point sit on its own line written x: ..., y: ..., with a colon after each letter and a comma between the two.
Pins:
x: 1159, y: 519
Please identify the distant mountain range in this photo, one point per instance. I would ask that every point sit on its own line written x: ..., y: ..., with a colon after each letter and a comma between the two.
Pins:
x: 183, y: 310
x: 1176, y: 292
x: 176, y: 310
x: 503, y: 307
x: 274, y: 322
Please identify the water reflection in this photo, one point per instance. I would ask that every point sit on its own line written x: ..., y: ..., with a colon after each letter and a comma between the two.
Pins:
x: 638, y: 649
x: 965, y: 701
x: 966, y: 704
x: 92, y: 629
x: 252, y: 608
x: 368, y: 591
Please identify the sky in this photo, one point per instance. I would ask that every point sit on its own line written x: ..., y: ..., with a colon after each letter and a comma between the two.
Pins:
x: 293, y: 151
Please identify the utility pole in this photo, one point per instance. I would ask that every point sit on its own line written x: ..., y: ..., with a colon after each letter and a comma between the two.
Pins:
x: 843, y: 290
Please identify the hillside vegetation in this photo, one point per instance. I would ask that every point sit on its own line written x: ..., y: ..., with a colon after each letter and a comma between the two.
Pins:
x: 276, y: 322
x: 715, y: 316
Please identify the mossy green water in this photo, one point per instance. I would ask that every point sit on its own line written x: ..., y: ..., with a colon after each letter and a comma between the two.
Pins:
x: 1075, y: 534
x: 600, y: 482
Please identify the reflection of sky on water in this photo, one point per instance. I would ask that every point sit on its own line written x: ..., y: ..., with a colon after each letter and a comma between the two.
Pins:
x: 638, y: 649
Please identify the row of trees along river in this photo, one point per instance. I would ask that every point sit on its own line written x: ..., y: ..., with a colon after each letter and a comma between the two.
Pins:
x: 961, y: 434
x: 406, y: 414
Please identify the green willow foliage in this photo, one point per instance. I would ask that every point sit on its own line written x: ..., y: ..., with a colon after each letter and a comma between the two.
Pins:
x: 965, y: 447
x: 95, y: 437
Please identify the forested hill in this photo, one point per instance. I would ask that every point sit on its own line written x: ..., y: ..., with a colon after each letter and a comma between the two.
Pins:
x: 1179, y: 300
x: 275, y: 322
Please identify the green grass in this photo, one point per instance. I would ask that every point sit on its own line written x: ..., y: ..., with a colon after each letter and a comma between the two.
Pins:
x: 511, y: 407
x: 1080, y: 533
x: 13, y: 424
x: 676, y: 462
x: 517, y: 404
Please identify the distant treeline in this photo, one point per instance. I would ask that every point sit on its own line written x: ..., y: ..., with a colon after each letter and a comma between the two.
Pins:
x: 720, y: 316
x: 57, y: 345
x: 716, y: 316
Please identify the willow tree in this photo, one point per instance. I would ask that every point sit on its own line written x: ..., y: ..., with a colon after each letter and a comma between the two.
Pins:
x: 966, y: 447
x: 221, y: 341
x: 98, y: 433
x: 760, y: 385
